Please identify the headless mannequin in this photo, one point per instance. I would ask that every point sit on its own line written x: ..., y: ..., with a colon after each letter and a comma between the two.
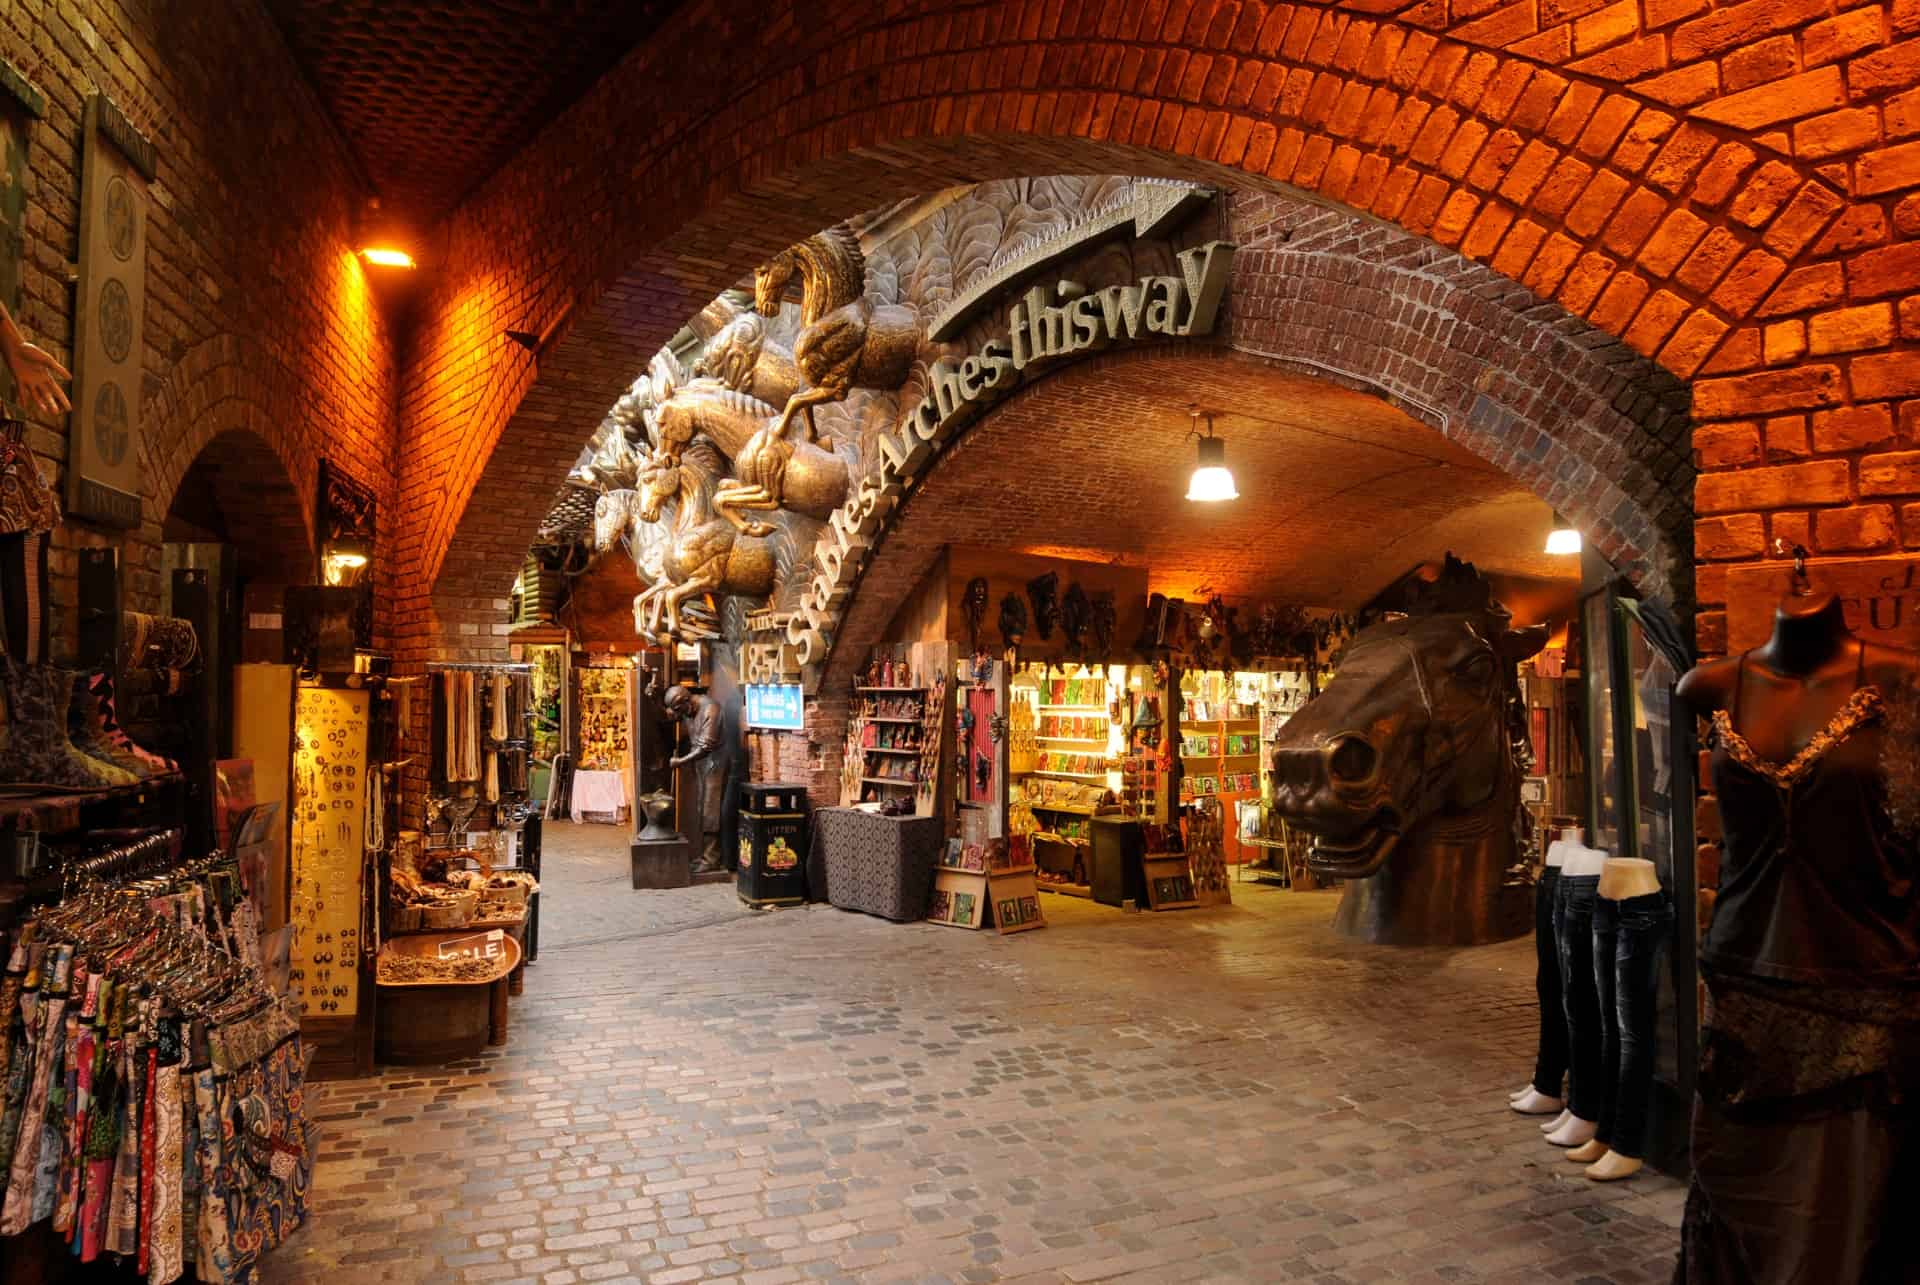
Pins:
x: 1568, y: 1129
x: 1529, y: 1100
x: 1624, y: 877
x: 1620, y: 879
x: 1798, y: 680
x: 1786, y: 694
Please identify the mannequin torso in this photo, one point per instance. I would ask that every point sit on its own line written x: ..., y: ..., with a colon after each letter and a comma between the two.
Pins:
x: 1624, y: 877
x: 1815, y: 886
x: 1786, y: 692
x: 1564, y: 841
x: 1583, y: 863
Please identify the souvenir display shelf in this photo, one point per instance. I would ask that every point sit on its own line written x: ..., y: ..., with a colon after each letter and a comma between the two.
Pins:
x: 1219, y: 738
x: 894, y: 733
x: 605, y: 738
x: 1061, y: 781
x: 1273, y: 852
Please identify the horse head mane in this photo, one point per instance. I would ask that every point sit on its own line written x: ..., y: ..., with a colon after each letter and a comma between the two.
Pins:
x: 833, y: 273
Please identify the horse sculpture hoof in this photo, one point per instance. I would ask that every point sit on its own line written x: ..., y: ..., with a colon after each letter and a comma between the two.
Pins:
x: 760, y: 528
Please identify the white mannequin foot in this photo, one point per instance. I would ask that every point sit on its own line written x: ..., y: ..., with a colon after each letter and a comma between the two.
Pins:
x: 1534, y: 1102
x: 1557, y: 1122
x: 1612, y: 1167
x: 1588, y: 1152
x: 1574, y: 1132
x: 1521, y: 1092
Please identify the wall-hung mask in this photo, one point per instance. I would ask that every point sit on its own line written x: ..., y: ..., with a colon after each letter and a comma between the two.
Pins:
x: 974, y: 604
x: 1153, y: 628
x: 1104, y: 619
x: 1013, y: 622
x: 1075, y: 614
x: 1044, y: 593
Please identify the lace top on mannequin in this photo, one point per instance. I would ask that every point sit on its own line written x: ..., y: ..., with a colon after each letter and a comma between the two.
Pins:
x: 1817, y: 883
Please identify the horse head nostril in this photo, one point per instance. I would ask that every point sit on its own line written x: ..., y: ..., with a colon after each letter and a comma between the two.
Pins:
x: 1352, y: 759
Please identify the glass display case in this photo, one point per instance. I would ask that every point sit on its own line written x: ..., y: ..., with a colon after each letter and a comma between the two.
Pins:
x: 1640, y: 804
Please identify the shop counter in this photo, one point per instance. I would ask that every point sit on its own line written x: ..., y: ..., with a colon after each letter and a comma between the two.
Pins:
x: 600, y: 793
x: 879, y: 864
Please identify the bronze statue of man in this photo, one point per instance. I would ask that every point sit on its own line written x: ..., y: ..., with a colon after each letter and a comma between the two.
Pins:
x: 706, y: 728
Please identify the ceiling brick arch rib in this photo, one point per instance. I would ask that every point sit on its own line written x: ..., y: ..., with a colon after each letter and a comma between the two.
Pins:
x: 1651, y: 223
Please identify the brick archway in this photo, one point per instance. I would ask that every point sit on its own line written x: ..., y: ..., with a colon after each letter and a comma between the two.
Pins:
x: 239, y: 481
x: 1620, y: 167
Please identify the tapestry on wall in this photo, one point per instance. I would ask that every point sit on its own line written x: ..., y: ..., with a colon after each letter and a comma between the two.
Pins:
x: 103, y: 476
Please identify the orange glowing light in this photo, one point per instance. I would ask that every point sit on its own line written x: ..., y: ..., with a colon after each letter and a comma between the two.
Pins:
x: 386, y: 257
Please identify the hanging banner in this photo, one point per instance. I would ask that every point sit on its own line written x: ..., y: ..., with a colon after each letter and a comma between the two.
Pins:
x: 103, y: 474
x: 329, y: 837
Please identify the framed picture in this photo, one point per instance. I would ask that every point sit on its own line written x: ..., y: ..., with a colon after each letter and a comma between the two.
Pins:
x: 1170, y: 885
x: 1016, y: 903
x: 959, y: 899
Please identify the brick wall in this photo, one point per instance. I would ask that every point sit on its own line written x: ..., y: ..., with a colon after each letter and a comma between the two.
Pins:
x: 258, y: 318
x: 1724, y: 189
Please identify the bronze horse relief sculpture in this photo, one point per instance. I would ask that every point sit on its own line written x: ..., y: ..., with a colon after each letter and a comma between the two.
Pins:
x: 1405, y: 771
x: 704, y: 552
x: 846, y: 341
x: 770, y: 471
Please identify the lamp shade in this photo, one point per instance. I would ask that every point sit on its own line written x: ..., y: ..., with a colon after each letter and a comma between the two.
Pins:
x: 1563, y: 540
x: 1212, y: 480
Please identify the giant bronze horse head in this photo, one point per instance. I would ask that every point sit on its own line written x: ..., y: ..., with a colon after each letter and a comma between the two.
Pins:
x: 1405, y: 769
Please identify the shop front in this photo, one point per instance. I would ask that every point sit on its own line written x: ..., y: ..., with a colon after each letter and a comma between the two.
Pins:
x: 1111, y: 618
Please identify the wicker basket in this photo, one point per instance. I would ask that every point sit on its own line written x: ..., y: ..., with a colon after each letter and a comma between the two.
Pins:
x: 513, y: 886
x: 452, y: 912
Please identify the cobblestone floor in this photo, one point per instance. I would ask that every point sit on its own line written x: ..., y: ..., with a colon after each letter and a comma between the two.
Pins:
x: 1234, y: 1094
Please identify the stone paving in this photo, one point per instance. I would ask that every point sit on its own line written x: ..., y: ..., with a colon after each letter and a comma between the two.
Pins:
x: 692, y: 1092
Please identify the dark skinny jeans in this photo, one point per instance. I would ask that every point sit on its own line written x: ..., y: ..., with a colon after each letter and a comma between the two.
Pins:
x: 1573, y: 929
x: 1550, y: 1063
x: 1628, y: 938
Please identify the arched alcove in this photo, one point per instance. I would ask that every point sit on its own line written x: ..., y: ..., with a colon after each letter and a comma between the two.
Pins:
x: 237, y: 492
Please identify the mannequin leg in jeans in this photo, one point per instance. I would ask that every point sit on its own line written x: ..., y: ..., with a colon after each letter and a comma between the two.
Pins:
x: 1606, y: 919
x: 1627, y: 973
x: 1542, y: 1096
x: 1574, y: 911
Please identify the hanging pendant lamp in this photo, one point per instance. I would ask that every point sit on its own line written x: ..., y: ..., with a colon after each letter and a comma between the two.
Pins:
x: 1212, y: 480
x: 1564, y: 539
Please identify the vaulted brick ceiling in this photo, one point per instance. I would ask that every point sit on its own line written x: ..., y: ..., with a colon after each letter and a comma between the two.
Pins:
x: 1341, y: 493
x: 435, y: 95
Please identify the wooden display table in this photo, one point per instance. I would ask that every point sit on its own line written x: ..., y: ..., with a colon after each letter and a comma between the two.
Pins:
x: 431, y: 1021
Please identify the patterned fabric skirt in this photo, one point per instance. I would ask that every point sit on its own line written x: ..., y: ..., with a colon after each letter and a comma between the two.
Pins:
x: 1806, y: 1138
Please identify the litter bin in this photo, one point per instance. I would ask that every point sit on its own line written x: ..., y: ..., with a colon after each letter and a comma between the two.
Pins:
x: 773, y: 844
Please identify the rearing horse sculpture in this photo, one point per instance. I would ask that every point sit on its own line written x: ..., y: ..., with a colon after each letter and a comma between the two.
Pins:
x: 1404, y: 769
x: 846, y: 341
x: 770, y: 471
x: 704, y: 554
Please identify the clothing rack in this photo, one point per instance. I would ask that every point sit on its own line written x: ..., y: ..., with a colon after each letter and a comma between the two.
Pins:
x: 140, y: 1033
x: 481, y: 730
x: 149, y: 854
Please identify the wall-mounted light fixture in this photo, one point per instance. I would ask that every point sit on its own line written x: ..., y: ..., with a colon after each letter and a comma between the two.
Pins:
x: 1563, y: 540
x: 1212, y: 480
x: 383, y: 241
x: 344, y: 561
x: 387, y: 256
